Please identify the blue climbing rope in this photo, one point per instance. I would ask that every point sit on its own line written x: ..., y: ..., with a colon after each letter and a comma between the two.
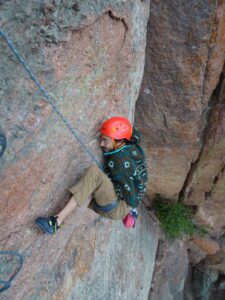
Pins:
x: 7, y: 283
x: 46, y: 95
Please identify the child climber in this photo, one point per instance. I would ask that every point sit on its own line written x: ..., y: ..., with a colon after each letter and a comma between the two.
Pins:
x: 116, y: 192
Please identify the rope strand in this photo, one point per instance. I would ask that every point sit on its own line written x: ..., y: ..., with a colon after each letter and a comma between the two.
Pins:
x: 46, y: 95
x: 7, y: 283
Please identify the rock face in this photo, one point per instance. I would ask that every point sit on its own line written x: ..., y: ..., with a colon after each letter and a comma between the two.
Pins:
x: 122, y: 270
x: 184, y: 61
x: 89, y: 56
x: 206, y: 283
x: 205, y: 186
x: 170, y: 271
x: 96, y: 260
x: 181, y: 113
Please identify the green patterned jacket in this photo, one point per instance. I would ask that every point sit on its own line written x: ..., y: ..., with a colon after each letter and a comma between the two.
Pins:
x: 127, y: 169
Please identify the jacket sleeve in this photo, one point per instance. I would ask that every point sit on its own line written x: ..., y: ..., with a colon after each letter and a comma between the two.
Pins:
x: 129, y: 188
x: 134, y: 179
x: 130, y: 182
x: 128, y: 173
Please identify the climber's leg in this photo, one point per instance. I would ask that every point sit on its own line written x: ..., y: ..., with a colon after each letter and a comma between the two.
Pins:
x: 93, y: 183
x: 66, y: 211
x: 82, y: 192
x: 69, y: 209
x: 97, y: 184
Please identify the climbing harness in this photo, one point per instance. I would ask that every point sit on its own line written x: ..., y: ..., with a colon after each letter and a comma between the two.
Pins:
x: 107, y: 208
x: 46, y: 95
x: 3, y: 144
x: 7, y: 283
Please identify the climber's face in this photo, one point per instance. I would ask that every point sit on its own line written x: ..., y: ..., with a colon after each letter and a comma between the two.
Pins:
x: 106, y: 143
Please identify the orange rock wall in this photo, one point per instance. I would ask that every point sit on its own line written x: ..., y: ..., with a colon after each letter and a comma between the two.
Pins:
x: 181, y: 117
x: 89, y: 56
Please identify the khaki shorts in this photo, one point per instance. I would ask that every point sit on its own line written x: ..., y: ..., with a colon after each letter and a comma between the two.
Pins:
x: 97, y: 184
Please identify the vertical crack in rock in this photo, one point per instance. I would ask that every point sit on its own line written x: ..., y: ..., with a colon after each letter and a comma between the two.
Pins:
x: 160, y: 253
x: 210, y: 43
x: 165, y: 120
x: 216, y: 178
x: 214, y: 100
x: 185, y: 191
x: 113, y: 16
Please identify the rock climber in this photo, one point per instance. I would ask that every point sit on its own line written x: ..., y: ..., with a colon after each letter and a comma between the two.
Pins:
x: 116, y: 192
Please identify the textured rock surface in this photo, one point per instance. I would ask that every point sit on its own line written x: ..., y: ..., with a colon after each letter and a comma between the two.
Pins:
x: 208, y: 245
x: 98, y: 260
x: 90, y: 55
x: 195, y: 253
x: 216, y: 261
x: 184, y: 60
x: 125, y: 268
x: 181, y: 113
x: 90, y: 58
x: 205, y: 187
x: 204, y: 283
x: 170, y: 271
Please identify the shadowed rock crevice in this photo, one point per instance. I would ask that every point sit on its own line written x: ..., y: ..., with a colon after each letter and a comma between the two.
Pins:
x: 170, y: 271
x: 215, y: 180
x: 214, y: 28
x: 207, y: 182
x: 184, y: 59
x: 204, y: 283
x: 215, y: 99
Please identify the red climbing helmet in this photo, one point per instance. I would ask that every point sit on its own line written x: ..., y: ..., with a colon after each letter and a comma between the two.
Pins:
x: 117, y: 128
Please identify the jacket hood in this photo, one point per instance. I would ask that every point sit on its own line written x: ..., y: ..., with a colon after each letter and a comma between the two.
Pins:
x: 136, y: 136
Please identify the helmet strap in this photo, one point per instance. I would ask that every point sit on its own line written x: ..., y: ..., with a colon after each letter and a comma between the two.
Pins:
x: 115, y: 146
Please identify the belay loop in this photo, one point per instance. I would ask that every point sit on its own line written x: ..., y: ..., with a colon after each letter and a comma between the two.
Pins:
x: 7, y: 283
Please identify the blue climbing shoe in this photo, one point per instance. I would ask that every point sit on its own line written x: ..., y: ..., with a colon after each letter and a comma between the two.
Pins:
x: 47, y: 224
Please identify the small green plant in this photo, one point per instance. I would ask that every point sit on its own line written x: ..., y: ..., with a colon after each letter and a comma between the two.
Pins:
x: 175, y: 218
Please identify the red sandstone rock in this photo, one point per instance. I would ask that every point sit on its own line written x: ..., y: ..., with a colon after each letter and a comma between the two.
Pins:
x: 170, y: 271
x: 209, y: 246
x: 205, y: 188
x: 90, y: 59
x: 184, y: 60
